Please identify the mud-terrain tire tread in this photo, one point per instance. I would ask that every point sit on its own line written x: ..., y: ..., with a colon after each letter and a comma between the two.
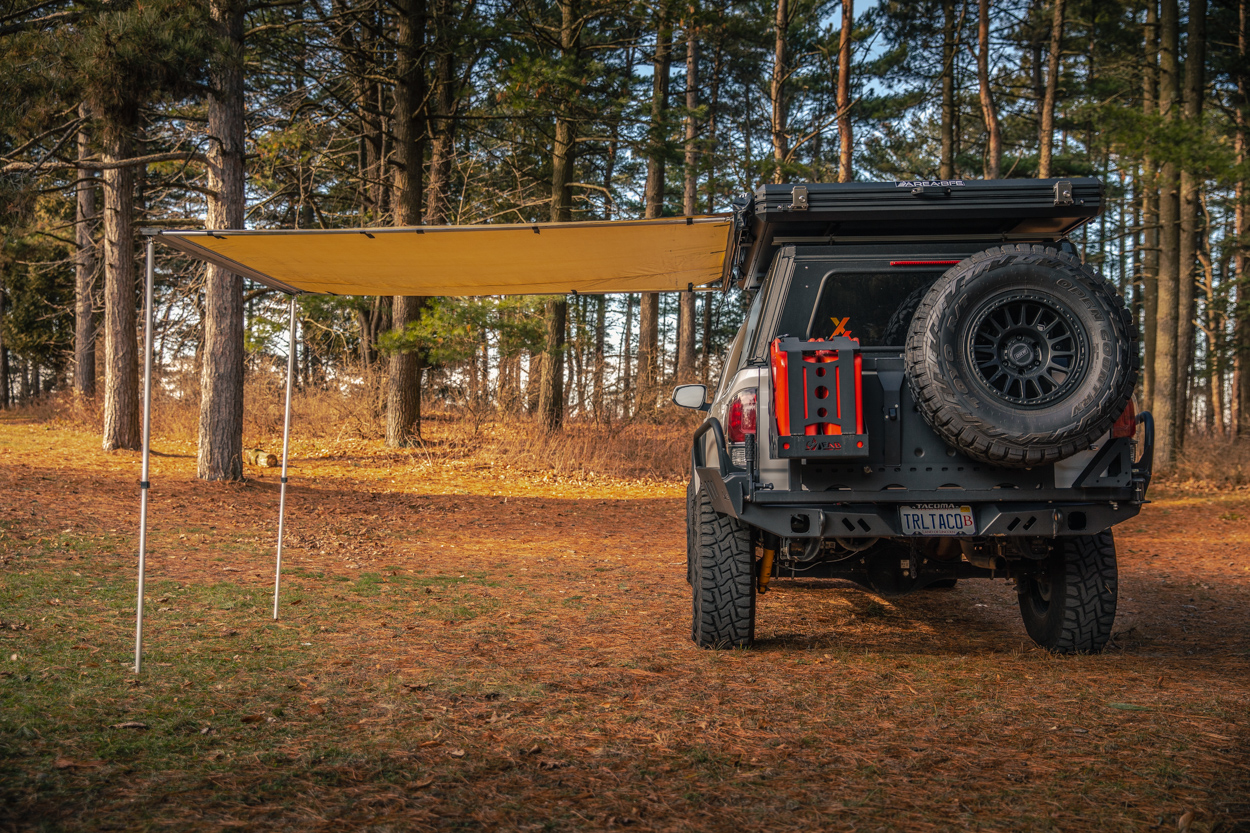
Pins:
x: 1089, y: 588
x: 691, y: 522
x: 723, y: 589
x: 899, y: 325
x: 939, y: 403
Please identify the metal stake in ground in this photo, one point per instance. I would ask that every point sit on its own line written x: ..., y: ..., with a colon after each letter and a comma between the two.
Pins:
x: 147, y: 448
x: 286, y: 445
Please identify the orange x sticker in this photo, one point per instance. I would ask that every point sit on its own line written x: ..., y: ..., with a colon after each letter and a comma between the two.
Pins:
x: 840, y: 327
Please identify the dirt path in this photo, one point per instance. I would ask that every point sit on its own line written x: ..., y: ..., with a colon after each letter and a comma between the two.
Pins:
x: 479, y: 647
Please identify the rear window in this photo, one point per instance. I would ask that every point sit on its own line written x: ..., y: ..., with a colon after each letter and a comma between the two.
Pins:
x: 860, y: 304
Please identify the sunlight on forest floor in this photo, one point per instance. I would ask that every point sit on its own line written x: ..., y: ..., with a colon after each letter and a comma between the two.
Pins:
x: 467, y: 641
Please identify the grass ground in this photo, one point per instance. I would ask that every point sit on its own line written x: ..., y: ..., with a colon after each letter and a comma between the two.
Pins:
x: 464, y: 645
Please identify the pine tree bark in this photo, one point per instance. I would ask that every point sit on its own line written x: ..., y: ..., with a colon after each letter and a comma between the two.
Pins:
x: 403, y: 399
x: 685, y: 312
x: 220, y: 455
x: 1191, y: 181
x: 690, y: 189
x: 1213, y: 325
x: 1241, y: 333
x: 551, y: 394
x: 551, y: 390
x: 5, y: 380
x: 442, y: 124
x: 777, y: 93
x: 601, y: 330
x: 1166, y: 411
x: 946, y: 161
x: 121, y: 353
x: 846, y: 140
x: 705, y: 364
x: 627, y: 363
x: 84, y: 273
x: 1046, y: 130
x: 649, y: 310
x: 989, y: 110
x: 1149, y: 190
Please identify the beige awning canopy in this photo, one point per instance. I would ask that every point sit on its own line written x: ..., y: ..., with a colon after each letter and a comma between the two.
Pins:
x: 538, y: 259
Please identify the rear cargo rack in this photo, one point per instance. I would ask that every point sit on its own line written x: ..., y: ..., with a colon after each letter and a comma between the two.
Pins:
x: 818, y: 398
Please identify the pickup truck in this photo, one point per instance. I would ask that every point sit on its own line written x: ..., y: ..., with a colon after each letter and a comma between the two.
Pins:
x: 930, y: 385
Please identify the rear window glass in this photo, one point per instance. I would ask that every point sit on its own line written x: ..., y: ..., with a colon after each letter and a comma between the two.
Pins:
x: 860, y: 305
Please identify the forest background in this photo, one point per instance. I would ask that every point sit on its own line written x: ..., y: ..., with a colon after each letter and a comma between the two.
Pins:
x: 328, y: 114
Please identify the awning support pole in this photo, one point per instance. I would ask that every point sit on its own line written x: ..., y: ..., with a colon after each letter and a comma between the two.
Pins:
x: 147, y: 449
x: 286, y: 446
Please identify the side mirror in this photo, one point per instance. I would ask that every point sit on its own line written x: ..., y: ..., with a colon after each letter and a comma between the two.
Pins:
x: 691, y: 396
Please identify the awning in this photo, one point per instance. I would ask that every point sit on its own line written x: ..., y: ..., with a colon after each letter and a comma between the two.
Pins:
x: 668, y: 254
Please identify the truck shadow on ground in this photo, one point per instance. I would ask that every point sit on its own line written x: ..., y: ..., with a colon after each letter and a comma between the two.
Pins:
x: 1156, y: 620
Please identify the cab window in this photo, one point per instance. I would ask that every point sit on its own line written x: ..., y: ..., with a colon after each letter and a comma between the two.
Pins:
x: 860, y: 304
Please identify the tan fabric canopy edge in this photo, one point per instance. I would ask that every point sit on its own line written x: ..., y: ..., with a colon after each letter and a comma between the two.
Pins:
x: 669, y: 254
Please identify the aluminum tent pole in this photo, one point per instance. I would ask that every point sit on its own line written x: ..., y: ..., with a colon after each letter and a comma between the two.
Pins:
x: 147, y: 449
x: 286, y: 445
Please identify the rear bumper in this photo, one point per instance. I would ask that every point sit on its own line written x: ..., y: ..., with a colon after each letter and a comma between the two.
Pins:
x: 1030, y: 518
x: 871, y: 514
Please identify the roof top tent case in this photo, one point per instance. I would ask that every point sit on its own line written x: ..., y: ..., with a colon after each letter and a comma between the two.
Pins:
x: 995, y: 211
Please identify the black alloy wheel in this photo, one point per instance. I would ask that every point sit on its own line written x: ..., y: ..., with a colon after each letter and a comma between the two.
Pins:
x: 1028, y: 349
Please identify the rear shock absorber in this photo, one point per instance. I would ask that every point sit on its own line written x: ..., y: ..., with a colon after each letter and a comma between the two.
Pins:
x: 769, y: 543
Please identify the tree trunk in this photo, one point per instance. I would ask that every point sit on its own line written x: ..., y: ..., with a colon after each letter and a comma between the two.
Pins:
x: 601, y: 330
x: 121, y: 354
x: 989, y: 111
x: 403, y: 400
x: 946, y: 164
x: 551, y: 394
x: 690, y: 191
x: 84, y: 273
x: 713, y: 111
x: 846, y: 172
x: 1191, y: 181
x: 1149, y: 186
x: 442, y: 126
x: 1166, y: 412
x: 1213, y: 326
x: 777, y: 93
x: 1241, y: 332
x: 685, y: 308
x: 627, y: 363
x: 551, y: 391
x: 648, y: 351
x: 1046, y: 130
x: 6, y: 398
x: 220, y: 454
x: 706, y: 357
x: 661, y: 65
x: 649, y: 310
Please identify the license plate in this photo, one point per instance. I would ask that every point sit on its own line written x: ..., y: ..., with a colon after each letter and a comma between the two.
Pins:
x: 932, y: 519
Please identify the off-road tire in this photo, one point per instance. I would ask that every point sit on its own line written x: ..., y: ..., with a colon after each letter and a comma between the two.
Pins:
x: 899, y: 325
x: 1068, y: 601
x: 723, y: 586
x: 1032, y: 390
x: 691, y: 526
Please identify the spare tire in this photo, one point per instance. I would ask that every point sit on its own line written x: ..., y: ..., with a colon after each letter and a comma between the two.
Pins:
x: 900, y: 322
x: 1021, y: 356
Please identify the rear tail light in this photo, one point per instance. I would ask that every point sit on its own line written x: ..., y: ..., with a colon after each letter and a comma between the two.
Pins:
x: 741, y: 419
x: 1126, y: 425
